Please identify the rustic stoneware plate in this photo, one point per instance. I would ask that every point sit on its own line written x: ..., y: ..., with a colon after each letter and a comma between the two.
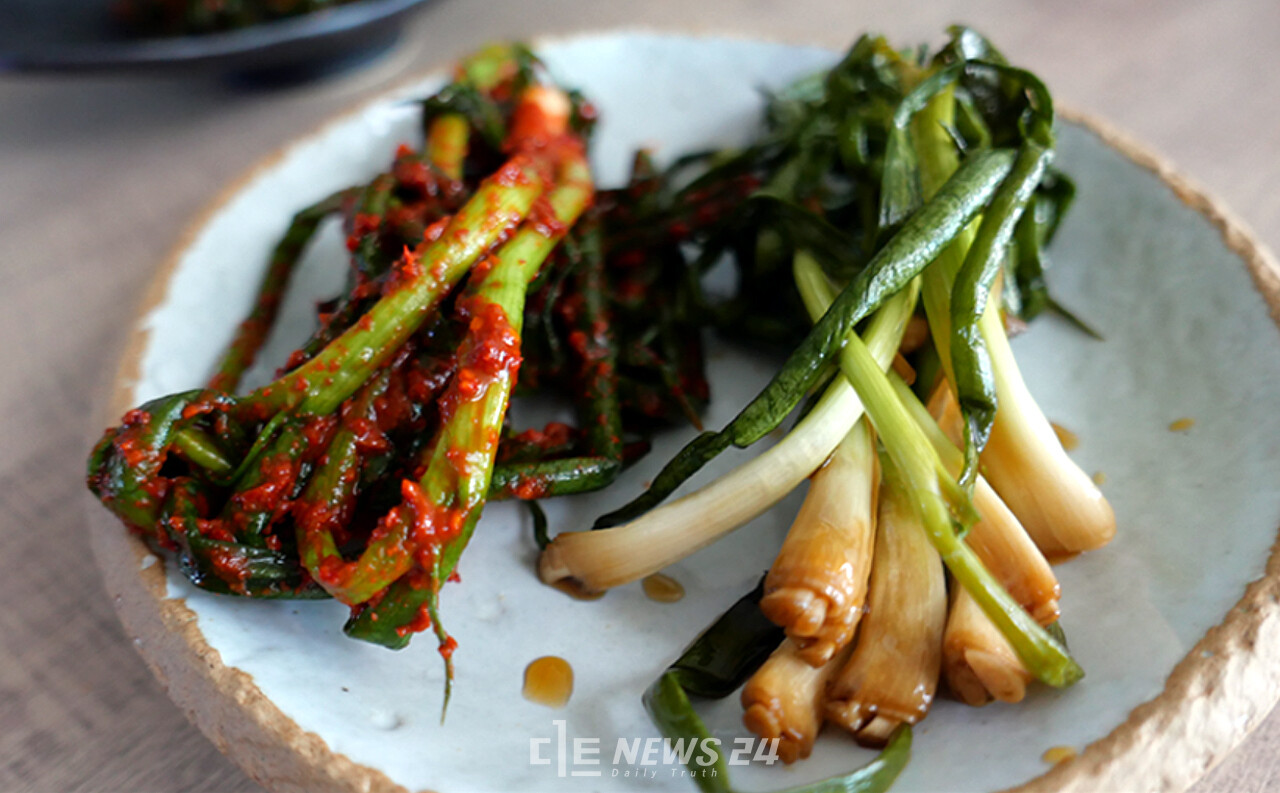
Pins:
x: 1176, y: 622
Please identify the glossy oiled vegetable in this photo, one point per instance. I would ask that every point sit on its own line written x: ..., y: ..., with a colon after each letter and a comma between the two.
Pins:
x: 783, y: 700
x: 720, y: 660
x: 817, y: 586
x: 889, y: 172
x: 361, y: 471
x: 979, y: 664
x: 604, y: 558
x: 903, y: 257
x: 938, y: 500
x: 997, y: 537
x: 892, y: 675
x: 609, y: 557
x: 1059, y: 505
x: 456, y: 483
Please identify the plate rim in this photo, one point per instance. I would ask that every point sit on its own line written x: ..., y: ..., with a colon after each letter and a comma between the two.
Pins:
x: 1231, y: 672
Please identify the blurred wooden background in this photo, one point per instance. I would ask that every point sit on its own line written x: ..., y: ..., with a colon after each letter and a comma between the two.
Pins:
x: 99, y: 176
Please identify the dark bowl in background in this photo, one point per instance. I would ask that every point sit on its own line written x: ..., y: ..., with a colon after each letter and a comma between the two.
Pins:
x: 80, y: 35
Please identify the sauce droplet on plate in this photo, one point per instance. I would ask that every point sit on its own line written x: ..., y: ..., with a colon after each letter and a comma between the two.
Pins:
x: 1182, y: 425
x: 1058, y: 754
x: 1100, y: 478
x: 662, y: 588
x: 548, y: 681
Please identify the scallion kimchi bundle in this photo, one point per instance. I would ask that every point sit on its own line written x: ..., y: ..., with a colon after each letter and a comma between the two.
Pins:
x: 897, y: 192
x: 482, y: 263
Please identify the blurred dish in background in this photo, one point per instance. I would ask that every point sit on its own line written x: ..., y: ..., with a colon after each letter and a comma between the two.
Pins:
x: 193, y: 17
x: 78, y: 35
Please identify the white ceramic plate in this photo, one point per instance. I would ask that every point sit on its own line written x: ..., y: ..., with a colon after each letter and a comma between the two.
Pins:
x: 1175, y: 287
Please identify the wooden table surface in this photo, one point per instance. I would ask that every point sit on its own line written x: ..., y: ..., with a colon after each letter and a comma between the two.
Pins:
x: 99, y: 175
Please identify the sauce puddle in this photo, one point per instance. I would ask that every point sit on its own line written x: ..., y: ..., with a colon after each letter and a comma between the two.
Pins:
x: 548, y: 681
x: 662, y: 588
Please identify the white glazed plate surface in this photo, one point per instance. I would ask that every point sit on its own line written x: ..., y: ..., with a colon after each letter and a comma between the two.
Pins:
x: 1187, y: 335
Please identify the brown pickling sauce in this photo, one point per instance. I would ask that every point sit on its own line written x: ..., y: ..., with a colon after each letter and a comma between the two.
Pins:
x: 662, y: 588
x: 548, y: 681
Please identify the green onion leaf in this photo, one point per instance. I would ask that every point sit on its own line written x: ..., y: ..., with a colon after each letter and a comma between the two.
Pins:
x: 903, y: 257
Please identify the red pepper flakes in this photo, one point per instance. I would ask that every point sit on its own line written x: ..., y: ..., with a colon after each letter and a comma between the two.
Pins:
x: 479, y: 271
x: 393, y: 407
x: 364, y: 224
x: 556, y: 433
x: 332, y: 572
x: 133, y: 449
x: 405, y: 272
x: 529, y: 488
x: 421, y: 621
x: 435, y: 230
x: 296, y: 358
x: 401, y: 216
x: 278, y: 474
x: 513, y: 172
x: 365, y: 287
x: 319, y: 431
x: 459, y: 460
x: 230, y: 566
x: 368, y: 438
x: 490, y: 352
x: 426, y: 379
x: 201, y: 406
x: 447, y: 647
x: 162, y: 539
x: 467, y: 384
x: 542, y: 217
x: 314, y: 518
x: 541, y: 118
x: 214, y: 529
x: 413, y: 174
x: 156, y: 489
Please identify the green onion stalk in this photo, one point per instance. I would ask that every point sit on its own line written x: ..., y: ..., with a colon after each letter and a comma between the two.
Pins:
x: 939, y: 500
x: 260, y: 444
x: 1055, y: 500
x: 322, y: 384
x: 252, y: 332
x: 438, y: 516
x: 656, y: 537
x: 449, y: 118
x: 459, y: 460
x: 715, y: 665
x: 905, y: 255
